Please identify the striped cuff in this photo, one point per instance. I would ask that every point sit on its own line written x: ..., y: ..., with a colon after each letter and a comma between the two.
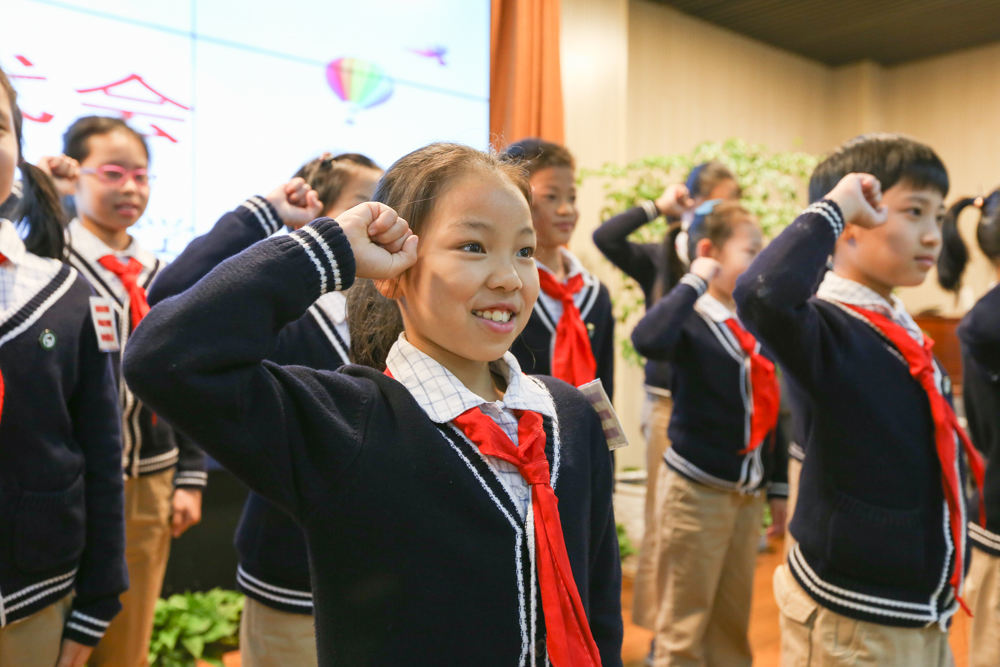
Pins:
x: 264, y: 213
x: 829, y: 210
x: 649, y: 206
x: 329, y: 253
x: 192, y: 479
x: 84, y: 629
x: 697, y: 282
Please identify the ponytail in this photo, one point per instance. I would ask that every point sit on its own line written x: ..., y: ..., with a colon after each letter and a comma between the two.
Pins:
x: 954, y: 255
x: 374, y: 322
x: 41, y: 213
x: 674, y: 267
x: 39, y: 210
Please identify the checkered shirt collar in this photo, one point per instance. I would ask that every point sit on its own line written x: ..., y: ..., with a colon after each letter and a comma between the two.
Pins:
x: 442, y: 396
x: 844, y: 290
x: 11, y: 245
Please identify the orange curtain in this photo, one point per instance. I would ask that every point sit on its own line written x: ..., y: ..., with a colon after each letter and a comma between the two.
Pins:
x: 525, y: 76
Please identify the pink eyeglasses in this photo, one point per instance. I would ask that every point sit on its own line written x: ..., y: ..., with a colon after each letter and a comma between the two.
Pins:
x: 112, y: 174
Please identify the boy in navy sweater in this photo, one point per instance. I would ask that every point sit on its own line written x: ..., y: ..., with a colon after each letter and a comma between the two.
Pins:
x: 880, y: 518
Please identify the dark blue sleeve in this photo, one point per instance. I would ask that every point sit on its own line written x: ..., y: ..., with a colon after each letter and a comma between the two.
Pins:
x: 773, y: 295
x: 659, y: 331
x: 604, y: 354
x: 101, y: 576
x: 199, y: 360
x: 611, y: 238
x: 252, y: 221
x: 979, y: 332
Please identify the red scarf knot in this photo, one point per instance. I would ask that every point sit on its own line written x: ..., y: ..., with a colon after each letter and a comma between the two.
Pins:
x: 128, y: 274
x: 572, y: 357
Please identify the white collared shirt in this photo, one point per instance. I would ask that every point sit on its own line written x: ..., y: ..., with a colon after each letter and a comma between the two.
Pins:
x: 442, y: 397
x: 837, y: 288
x: 91, y: 249
x: 554, y: 306
x: 334, y: 306
x: 24, y: 274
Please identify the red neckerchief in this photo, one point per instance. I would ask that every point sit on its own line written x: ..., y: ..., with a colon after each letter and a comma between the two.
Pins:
x: 764, y: 387
x: 921, y: 364
x: 128, y: 274
x: 568, y: 639
x: 572, y: 356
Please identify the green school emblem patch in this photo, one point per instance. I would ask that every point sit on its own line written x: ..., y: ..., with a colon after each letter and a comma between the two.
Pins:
x: 48, y: 339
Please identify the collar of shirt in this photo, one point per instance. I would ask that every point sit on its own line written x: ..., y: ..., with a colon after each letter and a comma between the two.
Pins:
x: 11, y: 245
x: 334, y: 304
x: 442, y: 396
x: 574, y: 265
x: 714, y: 309
x: 92, y: 248
x: 837, y: 288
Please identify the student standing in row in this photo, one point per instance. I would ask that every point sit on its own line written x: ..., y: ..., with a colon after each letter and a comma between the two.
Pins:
x: 979, y: 333
x: 880, y: 520
x: 724, y: 456
x: 62, y: 565
x: 428, y: 492
x: 657, y: 267
x: 277, y: 626
x: 571, y: 332
x: 164, y: 471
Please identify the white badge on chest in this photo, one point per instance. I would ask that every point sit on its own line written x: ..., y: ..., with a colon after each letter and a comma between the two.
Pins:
x: 103, y: 315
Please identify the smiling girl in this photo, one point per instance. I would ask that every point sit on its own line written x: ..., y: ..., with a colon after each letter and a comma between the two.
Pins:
x: 427, y: 493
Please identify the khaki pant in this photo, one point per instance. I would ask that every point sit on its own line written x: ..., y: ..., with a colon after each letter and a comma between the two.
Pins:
x: 148, y: 502
x: 814, y: 636
x: 35, y: 641
x: 655, y: 419
x: 272, y: 638
x: 794, y: 473
x: 709, y: 550
x: 983, y: 596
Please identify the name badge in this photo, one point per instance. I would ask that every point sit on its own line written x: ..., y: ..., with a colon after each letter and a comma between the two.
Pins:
x: 103, y: 315
x: 613, y: 431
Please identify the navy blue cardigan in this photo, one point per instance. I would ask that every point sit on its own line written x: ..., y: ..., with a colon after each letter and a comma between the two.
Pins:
x: 710, y: 422
x: 870, y: 519
x: 150, y: 444
x: 979, y: 333
x: 646, y: 263
x: 274, y: 565
x: 533, y: 348
x: 416, y: 550
x: 61, y: 519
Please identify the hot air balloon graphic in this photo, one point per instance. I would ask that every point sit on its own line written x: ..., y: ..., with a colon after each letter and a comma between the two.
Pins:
x: 360, y: 83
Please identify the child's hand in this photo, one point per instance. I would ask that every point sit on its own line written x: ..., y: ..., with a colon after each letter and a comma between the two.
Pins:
x: 859, y: 197
x: 674, y: 201
x: 779, y: 515
x: 706, y: 268
x: 64, y: 172
x: 382, y: 242
x: 296, y: 203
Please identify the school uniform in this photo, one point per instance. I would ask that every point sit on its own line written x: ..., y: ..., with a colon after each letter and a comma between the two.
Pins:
x: 276, y: 627
x: 648, y: 265
x: 61, y: 565
x: 877, y: 535
x: 535, y: 347
x: 418, y: 551
x: 724, y: 457
x: 979, y: 333
x: 156, y: 458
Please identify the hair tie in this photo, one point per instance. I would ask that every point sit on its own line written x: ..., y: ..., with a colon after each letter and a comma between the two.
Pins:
x: 692, y: 180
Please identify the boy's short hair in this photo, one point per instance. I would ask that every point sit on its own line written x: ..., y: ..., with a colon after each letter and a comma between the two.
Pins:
x: 537, y: 154
x: 891, y: 158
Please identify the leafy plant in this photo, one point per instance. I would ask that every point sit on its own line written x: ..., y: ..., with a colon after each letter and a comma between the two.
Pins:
x: 625, y: 548
x: 195, y: 626
x: 773, y: 185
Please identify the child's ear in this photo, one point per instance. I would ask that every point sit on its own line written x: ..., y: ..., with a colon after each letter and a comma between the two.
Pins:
x: 704, y: 248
